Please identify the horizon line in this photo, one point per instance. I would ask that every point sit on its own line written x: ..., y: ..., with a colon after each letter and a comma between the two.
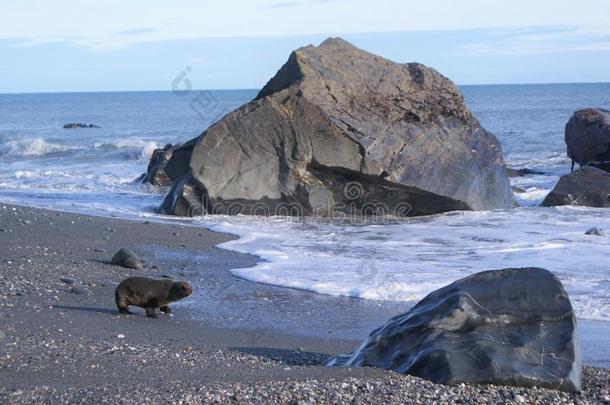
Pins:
x: 258, y: 89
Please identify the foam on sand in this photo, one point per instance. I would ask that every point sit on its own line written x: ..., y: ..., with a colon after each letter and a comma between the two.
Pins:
x: 406, y: 260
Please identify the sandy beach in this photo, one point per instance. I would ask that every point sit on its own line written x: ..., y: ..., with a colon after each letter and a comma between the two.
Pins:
x: 233, y: 341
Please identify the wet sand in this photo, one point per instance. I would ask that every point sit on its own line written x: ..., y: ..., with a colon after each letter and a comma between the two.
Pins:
x: 61, y: 338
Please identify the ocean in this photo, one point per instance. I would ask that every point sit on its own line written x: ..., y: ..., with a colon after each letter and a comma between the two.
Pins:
x: 93, y: 171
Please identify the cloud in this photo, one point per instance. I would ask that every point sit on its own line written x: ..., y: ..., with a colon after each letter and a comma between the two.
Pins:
x: 136, y: 31
x: 536, y: 40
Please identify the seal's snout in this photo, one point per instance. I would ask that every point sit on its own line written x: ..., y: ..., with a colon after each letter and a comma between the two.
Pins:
x: 184, y: 289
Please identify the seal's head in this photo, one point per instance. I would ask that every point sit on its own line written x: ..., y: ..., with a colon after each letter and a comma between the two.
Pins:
x: 180, y: 289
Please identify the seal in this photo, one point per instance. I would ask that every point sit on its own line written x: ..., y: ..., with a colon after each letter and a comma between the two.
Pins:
x: 150, y: 294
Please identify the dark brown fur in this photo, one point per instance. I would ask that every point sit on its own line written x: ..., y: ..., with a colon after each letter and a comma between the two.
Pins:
x: 150, y: 294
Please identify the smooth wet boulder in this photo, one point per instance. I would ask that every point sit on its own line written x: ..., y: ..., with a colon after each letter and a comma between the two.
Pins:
x: 504, y: 327
x: 126, y: 258
x: 587, y: 135
x: 73, y: 125
x: 338, y: 129
x: 588, y: 186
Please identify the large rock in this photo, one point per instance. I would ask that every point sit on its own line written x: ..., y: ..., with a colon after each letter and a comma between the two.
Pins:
x: 505, y: 327
x: 336, y: 117
x: 587, y: 186
x: 588, y: 136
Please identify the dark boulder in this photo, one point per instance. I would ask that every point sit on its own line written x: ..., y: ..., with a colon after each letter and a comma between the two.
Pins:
x: 156, y: 173
x: 178, y: 164
x: 504, y: 327
x: 587, y: 135
x: 79, y: 125
x: 126, y: 258
x: 587, y: 186
x: 595, y: 232
x: 334, y: 114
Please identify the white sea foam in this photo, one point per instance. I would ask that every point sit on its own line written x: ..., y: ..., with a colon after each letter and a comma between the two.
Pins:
x: 407, y: 260
x: 147, y: 147
x: 31, y: 147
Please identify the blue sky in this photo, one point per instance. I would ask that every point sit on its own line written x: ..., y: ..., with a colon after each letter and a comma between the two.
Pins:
x: 67, y: 45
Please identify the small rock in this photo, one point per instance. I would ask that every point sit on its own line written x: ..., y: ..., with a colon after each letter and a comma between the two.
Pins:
x: 67, y: 280
x: 73, y: 125
x: 120, y: 336
x: 126, y: 258
x: 522, y: 172
x: 595, y: 231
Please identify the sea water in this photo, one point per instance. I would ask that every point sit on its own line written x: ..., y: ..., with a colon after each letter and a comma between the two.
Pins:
x: 93, y: 170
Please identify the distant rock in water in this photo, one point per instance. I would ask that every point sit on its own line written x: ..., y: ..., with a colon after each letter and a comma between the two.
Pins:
x: 338, y: 129
x: 156, y: 173
x: 522, y: 172
x: 595, y: 232
x: 587, y: 136
x: 587, y: 186
x: 126, y: 258
x: 79, y: 125
x: 503, y: 327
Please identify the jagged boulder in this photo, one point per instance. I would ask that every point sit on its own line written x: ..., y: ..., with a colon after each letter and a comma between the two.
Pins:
x: 156, y: 173
x: 587, y: 135
x: 338, y: 129
x: 504, y: 327
x: 588, y: 186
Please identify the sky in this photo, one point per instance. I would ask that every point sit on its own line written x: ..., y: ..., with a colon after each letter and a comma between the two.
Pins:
x: 120, y: 45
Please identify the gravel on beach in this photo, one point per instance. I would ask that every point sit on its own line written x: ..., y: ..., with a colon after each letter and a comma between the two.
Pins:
x: 390, y: 388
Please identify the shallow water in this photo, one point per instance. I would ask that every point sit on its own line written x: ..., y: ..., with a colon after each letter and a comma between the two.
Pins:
x: 92, y: 170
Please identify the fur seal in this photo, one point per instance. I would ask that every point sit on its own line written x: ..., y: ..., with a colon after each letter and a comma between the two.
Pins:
x: 150, y: 294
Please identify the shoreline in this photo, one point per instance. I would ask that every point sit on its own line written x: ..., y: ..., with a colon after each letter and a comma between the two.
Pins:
x: 232, y: 335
